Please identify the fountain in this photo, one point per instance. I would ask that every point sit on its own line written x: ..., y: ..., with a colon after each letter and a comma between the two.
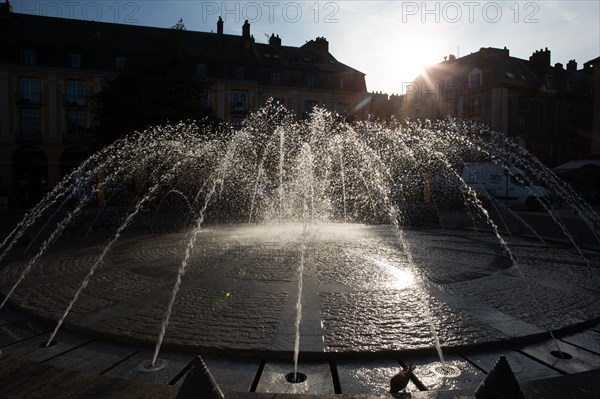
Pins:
x: 302, y: 239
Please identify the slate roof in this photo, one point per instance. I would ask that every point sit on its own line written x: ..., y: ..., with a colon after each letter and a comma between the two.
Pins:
x: 100, y: 43
x: 499, y: 68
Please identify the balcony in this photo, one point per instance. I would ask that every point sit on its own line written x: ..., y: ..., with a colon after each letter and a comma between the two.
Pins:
x: 27, y: 98
x: 75, y: 101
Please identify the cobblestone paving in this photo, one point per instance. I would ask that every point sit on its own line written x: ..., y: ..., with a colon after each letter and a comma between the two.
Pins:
x: 240, y: 287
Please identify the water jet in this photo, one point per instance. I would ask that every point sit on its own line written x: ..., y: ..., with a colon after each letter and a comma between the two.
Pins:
x: 319, y: 227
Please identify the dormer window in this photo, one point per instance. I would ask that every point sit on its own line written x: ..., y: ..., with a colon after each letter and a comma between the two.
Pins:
x: 475, y: 78
x: 29, y: 57
x: 75, y: 60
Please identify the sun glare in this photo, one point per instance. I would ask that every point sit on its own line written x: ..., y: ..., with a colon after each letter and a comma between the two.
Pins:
x: 398, y: 278
x: 393, y: 71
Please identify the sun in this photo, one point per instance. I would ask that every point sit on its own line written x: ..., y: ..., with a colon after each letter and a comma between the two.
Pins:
x: 392, y: 69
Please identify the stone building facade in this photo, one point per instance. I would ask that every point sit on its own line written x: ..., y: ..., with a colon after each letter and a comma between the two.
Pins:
x: 49, y: 67
x: 546, y: 108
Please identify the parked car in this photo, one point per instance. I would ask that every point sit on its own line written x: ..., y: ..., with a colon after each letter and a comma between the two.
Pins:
x: 504, y: 184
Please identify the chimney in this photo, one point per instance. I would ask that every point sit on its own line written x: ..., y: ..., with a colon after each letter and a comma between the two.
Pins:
x: 541, y: 58
x: 322, y: 45
x: 220, y: 27
x: 540, y: 62
x: 451, y: 57
x: 274, y: 41
x: 246, y: 30
x: 558, y: 65
x: 6, y: 9
x: 572, y: 65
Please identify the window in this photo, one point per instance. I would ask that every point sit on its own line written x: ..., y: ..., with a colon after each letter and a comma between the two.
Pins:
x: 449, y: 82
x: 75, y: 121
x: 275, y: 77
x: 120, y: 62
x: 239, y: 101
x: 311, y: 81
x: 29, y: 91
x: 474, y: 105
x: 550, y: 83
x: 30, y: 121
x: 29, y: 57
x: 309, y: 106
x: 201, y: 70
x: 240, y: 73
x: 519, y: 180
x: 475, y: 78
x: 75, y: 60
x: 342, y: 84
x: 342, y: 109
x: 205, y: 98
x: 521, y: 122
x: 236, y: 122
x: 522, y: 103
x: 75, y: 93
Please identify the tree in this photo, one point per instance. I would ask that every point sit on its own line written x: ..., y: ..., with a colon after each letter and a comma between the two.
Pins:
x: 158, y: 86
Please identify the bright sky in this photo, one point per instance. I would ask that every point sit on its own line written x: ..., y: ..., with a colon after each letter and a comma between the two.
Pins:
x: 390, y: 41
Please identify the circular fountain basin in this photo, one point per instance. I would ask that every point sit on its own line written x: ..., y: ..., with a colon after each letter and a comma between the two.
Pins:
x: 362, y: 291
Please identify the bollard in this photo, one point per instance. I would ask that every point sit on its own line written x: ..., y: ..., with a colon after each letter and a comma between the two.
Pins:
x: 199, y: 383
x: 500, y: 383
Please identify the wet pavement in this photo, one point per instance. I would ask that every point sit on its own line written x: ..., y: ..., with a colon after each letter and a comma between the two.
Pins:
x: 80, y: 367
x: 365, y: 307
x: 362, y: 291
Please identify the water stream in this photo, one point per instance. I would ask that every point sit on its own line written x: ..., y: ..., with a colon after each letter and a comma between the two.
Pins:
x: 319, y: 170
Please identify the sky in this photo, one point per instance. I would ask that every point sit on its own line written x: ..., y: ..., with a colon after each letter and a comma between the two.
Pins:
x: 389, y: 41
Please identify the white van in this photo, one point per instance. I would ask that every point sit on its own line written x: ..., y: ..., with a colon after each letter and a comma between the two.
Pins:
x: 510, y: 186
